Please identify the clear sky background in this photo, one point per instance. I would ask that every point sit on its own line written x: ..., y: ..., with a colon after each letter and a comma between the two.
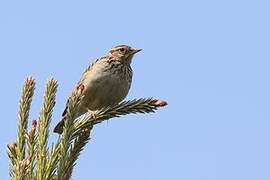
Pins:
x: 208, y: 59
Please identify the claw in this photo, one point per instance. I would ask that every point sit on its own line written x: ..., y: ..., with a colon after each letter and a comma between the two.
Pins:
x: 93, y: 113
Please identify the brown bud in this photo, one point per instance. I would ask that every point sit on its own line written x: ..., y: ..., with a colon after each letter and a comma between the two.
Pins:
x: 80, y: 87
x: 159, y: 103
x: 34, y: 123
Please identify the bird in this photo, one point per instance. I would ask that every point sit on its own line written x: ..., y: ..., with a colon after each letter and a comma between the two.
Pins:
x: 106, y: 82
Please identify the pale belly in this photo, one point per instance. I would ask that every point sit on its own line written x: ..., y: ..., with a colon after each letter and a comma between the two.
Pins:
x: 102, y: 91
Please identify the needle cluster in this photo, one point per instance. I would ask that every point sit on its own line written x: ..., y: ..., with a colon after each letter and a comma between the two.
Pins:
x: 32, y: 159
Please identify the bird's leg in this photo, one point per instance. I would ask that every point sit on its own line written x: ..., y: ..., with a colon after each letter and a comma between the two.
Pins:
x: 93, y: 113
x: 93, y: 117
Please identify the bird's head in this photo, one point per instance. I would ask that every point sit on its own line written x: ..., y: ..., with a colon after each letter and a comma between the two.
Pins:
x: 123, y: 53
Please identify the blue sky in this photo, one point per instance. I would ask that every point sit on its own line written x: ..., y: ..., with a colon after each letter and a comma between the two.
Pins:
x: 208, y: 59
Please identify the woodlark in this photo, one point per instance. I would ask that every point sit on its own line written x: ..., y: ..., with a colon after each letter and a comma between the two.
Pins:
x: 105, y: 82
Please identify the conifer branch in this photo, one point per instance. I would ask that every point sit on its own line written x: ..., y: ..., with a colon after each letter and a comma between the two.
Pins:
x: 31, y: 149
x: 29, y: 155
x: 77, y: 147
x: 66, y: 137
x: 25, y: 102
x: 43, y: 126
x: 143, y: 105
x: 18, y: 161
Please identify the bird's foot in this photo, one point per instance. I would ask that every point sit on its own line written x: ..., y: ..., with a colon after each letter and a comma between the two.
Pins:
x: 93, y: 113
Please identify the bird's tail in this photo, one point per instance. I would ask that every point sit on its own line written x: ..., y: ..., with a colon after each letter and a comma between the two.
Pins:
x: 59, y: 127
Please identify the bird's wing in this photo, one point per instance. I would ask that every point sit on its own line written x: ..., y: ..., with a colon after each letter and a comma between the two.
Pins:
x: 88, y: 69
x: 59, y: 126
x: 83, y: 77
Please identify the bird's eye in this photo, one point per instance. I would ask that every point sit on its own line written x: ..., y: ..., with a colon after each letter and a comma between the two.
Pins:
x: 122, y: 49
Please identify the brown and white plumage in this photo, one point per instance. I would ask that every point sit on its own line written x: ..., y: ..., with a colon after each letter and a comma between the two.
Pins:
x: 106, y: 81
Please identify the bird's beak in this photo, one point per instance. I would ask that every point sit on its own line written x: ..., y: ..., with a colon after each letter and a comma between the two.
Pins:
x: 134, y: 51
